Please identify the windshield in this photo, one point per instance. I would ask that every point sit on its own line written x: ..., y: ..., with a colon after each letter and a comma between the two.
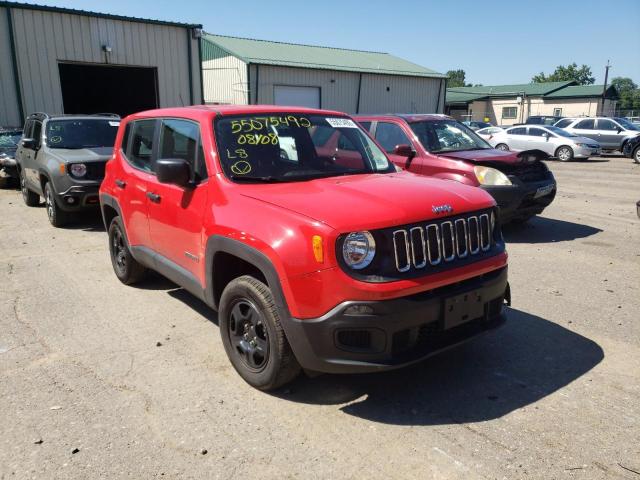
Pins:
x: 627, y: 124
x: 286, y: 147
x: 10, y: 139
x: 85, y: 133
x: 447, y: 136
x: 559, y: 131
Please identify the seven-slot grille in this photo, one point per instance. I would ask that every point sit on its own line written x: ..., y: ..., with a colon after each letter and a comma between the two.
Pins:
x: 443, y: 241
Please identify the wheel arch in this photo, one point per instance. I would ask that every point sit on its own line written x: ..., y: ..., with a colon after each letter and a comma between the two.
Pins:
x: 110, y: 209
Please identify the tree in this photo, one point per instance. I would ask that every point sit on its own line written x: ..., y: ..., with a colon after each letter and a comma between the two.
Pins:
x: 457, y: 78
x: 581, y: 75
x: 628, y: 92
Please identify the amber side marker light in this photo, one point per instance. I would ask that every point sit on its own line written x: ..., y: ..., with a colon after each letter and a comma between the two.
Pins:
x: 62, y: 169
x: 318, y: 251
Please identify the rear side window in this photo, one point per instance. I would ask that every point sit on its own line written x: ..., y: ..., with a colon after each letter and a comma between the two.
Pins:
x: 140, y: 150
x: 390, y: 135
x: 587, y: 124
x: 517, y: 131
x: 536, y: 132
x: 181, y: 139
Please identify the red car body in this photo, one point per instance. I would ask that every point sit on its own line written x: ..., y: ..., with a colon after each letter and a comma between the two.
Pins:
x: 516, y: 201
x: 186, y: 232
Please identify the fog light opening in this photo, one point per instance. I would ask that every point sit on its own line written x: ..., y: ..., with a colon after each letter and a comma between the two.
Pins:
x: 358, y: 310
x: 70, y: 200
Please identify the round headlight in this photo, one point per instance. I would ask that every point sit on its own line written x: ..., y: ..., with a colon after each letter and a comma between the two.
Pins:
x: 358, y: 250
x: 490, y: 176
x: 78, y: 169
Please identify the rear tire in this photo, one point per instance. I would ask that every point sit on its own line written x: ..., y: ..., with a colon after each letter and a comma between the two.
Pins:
x: 253, y: 336
x: 126, y: 268
x: 502, y: 146
x: 636, y: 155
x: 564, y: 154
x: 57, y: 217
x: 30, y: 198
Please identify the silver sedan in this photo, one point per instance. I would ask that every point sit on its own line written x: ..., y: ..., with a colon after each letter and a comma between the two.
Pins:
x: 554, y: 141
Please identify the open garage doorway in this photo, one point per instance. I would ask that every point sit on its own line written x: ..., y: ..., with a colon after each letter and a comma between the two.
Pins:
x: 89, y: 88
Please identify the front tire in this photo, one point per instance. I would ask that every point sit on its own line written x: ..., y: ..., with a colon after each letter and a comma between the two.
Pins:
x: 636, y: 155
x: 253, y: 336
x: 564, y: 154
x: 126, y: 268
x: 502, y: 146
x: 57, y: 217
x: 31, y: 199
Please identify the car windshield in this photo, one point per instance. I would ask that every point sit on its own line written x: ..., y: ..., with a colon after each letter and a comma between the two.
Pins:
x: 559, y: 131
x: 81, y: 133
x: 10, y: 139
x: 289, y: 147
x: 627, y: 124
x: 447, y: 136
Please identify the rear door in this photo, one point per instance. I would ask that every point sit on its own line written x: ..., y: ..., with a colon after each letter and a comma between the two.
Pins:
x: 586, y: 128
x: 176, y: 213
x: 133, y: 178
x: 517, y: 138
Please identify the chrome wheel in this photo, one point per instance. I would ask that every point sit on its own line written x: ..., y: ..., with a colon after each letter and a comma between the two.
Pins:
x: 49, y: 202
x: 248, y: 335
x: 504, y: 147
x: 565, y: 154
x: 23, y: 188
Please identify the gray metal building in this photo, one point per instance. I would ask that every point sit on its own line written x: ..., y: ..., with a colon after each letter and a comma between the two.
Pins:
x: 60, y: 60
x: 246, y: 71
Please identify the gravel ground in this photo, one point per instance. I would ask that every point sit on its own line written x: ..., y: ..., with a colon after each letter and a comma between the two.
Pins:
x: 85, y: 392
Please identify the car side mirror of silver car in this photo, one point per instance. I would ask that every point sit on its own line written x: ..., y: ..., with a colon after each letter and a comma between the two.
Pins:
x: 29, y: 143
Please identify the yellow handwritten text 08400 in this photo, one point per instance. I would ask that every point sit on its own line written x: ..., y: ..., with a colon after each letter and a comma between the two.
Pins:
x: 257, y: 139
x: 253, y: 124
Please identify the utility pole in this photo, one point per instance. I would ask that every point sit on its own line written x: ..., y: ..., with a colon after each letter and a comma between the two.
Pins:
x: 604, y: 88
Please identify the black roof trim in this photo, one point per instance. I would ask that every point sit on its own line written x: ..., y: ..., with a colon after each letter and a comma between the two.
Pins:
x: 109, y: 16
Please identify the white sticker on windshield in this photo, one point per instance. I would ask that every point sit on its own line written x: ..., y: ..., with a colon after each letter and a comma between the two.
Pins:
x: 341, y: 123
x: 114, y: 124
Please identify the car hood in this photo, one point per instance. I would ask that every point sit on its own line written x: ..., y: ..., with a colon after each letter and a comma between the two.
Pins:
x: 481, y: 156
x: 97, y: 154
x: 371, y: 201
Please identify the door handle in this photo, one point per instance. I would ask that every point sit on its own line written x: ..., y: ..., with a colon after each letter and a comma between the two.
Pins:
x: 154, y: 197
x: 121, y: 183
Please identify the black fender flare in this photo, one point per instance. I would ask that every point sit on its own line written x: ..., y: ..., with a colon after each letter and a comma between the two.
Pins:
x: 106, y: 199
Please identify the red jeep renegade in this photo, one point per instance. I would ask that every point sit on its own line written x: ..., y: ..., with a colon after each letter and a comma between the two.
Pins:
x: 325, y: 259
x: 441, y: 147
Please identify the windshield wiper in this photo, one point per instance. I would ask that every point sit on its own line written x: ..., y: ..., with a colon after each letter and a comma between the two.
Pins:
x: 266, y: 179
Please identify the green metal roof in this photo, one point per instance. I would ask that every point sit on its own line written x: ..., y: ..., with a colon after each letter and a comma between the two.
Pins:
x: 454, y: 96
x: 308, y: 56
x: 73, y: 11
x: 577, y: 91
x: 529, y: 89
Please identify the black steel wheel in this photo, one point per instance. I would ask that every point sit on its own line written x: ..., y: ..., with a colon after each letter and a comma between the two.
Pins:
x: 252, y: 335
x: 31, y: 199
x: 126, y: 268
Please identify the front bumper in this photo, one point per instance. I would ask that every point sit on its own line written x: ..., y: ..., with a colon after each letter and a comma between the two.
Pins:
x: 586, y: 152
x: 398, y: 332
x: 79, y: 197
x: 522, y: 200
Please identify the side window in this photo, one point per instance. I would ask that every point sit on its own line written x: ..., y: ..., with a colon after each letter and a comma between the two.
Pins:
x: 536, y: 132
x: 181, y: 139
x: 125, y: 137
x: 320, y: 135
x: 604, y: 124
x: 366, y: 126
x: 390, y: 135
x: 563, y: 123
x: 26, y: 131
x: 517, y: 131
x: 345, y: 144
x: 140, y: 149
x: 37, y: 132
x: 587, y: 124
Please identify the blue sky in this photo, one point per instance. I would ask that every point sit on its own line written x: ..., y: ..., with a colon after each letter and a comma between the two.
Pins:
x: 494, y: 41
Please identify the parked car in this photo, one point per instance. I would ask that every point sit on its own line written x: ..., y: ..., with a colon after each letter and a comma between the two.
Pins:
x: 610, y: 133
x: 488, y: 133
x: 335, y: 262
x: 554, y: 141
x: 9, y: 139
x: 62, y: 158
x: 543, y: 119
x: 632, y: 149
x: 473, y: 125
x: 441, y: 147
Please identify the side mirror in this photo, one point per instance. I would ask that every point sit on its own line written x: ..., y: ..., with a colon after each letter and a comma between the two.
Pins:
x: 619, y: 129
x: 175, y: 171
x: 404, y: 151
x: 29, y: 143
x: 546, y: 135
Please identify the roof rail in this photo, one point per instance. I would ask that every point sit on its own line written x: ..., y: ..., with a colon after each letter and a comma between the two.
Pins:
x: 39, y: 115
x: 105, y: 114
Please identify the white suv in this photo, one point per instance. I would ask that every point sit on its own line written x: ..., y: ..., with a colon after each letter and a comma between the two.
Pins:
x: 610, y: 133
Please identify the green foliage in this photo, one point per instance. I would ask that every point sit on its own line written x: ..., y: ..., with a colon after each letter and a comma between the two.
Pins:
x: 581, y: 75
x: 457, y: 78
x: 629, y: 93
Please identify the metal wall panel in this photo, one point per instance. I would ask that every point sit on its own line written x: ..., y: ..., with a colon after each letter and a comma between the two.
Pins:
x: 225, y: 76
x: 400, y: 94
x: 44, y: 38
x: 9, y: 109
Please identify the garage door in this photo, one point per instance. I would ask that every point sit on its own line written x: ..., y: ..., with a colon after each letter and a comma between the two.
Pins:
x: 297, y: 96
x: 90, y: 88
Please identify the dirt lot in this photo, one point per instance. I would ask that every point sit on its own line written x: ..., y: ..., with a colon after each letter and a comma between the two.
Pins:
x: 554, y: 394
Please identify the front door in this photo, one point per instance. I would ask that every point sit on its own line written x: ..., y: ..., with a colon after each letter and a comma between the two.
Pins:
x: 389, y: 136
x: 610, y: 134
x: 539, y: 140
x: 176, y: 213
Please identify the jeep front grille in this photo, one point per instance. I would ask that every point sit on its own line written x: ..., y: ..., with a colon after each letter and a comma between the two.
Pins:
x: 444, y: 241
